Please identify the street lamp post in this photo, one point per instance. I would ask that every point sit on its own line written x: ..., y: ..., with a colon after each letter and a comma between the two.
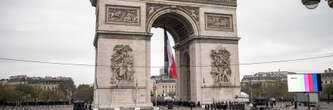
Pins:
x: 330, y: 3
x: 312, y: 4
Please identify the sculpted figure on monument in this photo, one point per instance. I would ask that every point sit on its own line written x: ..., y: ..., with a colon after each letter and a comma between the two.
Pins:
x: 122, y: 64
x: 221, y: 70
x: 122, y: 15
x: 219, y: 22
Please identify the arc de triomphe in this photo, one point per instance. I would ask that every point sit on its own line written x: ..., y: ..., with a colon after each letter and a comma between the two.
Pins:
x: 205, y: 34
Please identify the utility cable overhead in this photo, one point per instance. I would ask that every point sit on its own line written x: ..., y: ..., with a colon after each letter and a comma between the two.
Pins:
x: 45, y: 62
x: 91, y: 65
x: 290, y: 60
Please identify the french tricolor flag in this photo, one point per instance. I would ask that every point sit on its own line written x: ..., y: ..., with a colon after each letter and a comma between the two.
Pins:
x: 169, y: 59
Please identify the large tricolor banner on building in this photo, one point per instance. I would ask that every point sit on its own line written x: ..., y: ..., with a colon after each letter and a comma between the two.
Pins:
x: 304, y: 83
x: 169, y: 59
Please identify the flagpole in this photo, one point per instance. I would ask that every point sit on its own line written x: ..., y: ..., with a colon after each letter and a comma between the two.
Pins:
x: 165, y: 52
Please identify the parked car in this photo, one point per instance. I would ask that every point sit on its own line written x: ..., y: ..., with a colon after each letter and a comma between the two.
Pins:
x: 261, y: 103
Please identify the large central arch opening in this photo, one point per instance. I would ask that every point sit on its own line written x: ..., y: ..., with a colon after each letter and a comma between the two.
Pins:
x: 176, y: 25
x: 179, y: 28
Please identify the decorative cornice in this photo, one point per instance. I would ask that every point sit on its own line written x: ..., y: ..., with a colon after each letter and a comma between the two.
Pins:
x: 232, y: 3
x: 122, y: 35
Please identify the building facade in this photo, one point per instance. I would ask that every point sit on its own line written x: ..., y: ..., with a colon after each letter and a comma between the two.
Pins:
x: 45, y: 83
x: 163, y: 86
x: 327, y: 77
x: 265, y: 78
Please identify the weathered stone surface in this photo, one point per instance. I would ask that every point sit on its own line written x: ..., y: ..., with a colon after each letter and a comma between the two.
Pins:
x: 122, y: 64
x: 123, y: 15
x: 221, y: 70
x: 198, y: 27
x: 215, y: 2
x: 218, y: 22
x: 154, y: 8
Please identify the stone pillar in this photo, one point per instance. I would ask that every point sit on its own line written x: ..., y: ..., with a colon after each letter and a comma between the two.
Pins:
x: 122, y: 71
x: 226, y: 88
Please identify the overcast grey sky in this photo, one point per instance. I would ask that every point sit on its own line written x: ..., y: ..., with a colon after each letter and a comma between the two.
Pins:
x: 63, y: 31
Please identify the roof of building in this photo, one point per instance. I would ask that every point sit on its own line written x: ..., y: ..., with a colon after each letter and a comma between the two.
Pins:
x: 267, y: 76
x: 328, y: 74
x: 36, y: 80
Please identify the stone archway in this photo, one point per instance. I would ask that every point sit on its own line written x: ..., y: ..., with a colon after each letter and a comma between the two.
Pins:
x: 205, y: 34
x: 181, y: 26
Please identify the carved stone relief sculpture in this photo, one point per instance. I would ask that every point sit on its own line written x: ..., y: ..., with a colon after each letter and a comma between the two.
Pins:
x: 221, y: 70
x: 215, y: 2
x: 122, y: 15
x: 122, y: 64
x: 219, y: 22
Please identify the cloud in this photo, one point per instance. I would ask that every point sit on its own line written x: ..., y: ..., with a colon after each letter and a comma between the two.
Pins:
x: 56, y: 31
x: 284, y: 29
x: 63, y: 31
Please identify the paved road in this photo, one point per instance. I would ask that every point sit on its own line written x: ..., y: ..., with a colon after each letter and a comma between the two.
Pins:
x: 41, y: 107
x: 281, y: 106
x: 326, y: 106
x: 180, y: 108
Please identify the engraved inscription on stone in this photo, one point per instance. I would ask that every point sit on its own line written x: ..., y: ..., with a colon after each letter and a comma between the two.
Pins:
x: 122, y: 96
x: 191, y: 11
x: 221, y: 70
x: 219, y: 22
x: 122, y: 64
x: 123, y: 15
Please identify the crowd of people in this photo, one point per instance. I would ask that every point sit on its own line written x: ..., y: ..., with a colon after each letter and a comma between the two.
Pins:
x: 215, y: 105
x: 34, y: 103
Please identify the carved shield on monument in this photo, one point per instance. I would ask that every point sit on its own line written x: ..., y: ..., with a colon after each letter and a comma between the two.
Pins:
x: 122, y: 64
x: 220, y: 68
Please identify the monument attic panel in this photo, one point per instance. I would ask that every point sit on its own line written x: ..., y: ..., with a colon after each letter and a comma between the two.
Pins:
x: 219, y: 22
x: 215, y: 2
x: 123, y: 15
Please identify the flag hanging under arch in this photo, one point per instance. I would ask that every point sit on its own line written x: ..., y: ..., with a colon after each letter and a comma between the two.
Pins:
x: 169, y: 59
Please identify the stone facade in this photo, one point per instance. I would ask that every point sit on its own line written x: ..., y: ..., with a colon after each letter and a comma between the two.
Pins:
x: 198, y: 27
x: 327, y: 77
x: 45, y: 83
x: 163, y: 86
x: 266, y: 78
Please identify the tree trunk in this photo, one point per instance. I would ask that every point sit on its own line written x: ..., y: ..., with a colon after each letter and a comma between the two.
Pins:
x: 328, y: 98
